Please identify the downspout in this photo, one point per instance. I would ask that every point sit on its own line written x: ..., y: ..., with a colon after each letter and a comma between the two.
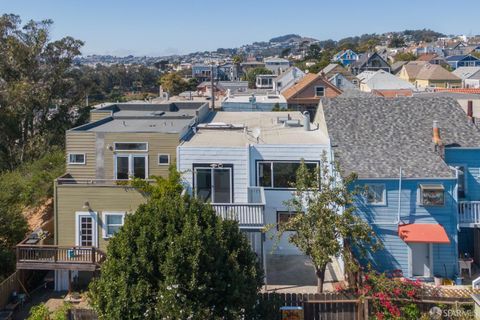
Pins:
x: 399, y: 196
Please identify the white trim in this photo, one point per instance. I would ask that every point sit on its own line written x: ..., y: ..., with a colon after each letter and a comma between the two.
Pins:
x: 212, y: 184
x: 119, y: 150
x: 130, y: 157
x: 104, y: 221
x: 94, y: 216
x: 77, y: 163
x: 158, y: 159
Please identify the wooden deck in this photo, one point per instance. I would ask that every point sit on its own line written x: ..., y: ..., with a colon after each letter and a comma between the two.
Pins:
x: 51, y: 257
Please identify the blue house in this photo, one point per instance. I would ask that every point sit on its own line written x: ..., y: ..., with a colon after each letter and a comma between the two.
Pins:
x: 345, y: 57
x: 401, y: 150
x: 462, y: 61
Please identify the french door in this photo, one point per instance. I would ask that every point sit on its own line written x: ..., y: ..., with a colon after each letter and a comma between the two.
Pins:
x: 131, y: 165
x: 86, y: 229
x: 214, y: 184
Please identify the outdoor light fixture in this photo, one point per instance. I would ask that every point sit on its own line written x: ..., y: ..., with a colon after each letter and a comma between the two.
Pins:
x: 86, y: 205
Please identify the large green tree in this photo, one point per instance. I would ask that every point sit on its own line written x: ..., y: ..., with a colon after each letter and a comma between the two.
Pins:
x: 36, y: 88
x: 176, y: 259
x: 174, y: 84
x: 326, y: 225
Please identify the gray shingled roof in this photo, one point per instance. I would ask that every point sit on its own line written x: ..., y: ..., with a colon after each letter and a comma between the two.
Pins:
x: 374, y: 137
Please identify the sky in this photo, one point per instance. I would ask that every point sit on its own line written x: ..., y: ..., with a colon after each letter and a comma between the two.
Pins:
x: 165, y: 27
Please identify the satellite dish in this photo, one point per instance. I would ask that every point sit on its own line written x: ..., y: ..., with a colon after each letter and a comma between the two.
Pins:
x: 256, y: 133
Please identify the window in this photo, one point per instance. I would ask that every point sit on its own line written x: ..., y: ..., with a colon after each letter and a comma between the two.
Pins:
x: 279, y: 84
x: 213, y: 184
x: 283, y: 217
x: 461, y: 182
x: 432, y: 195
x: 131, y: 165
x: 280, y: 174
x: 76, y: 158
x: 319, y: 91
x: 163, y: 159
x: 375, y: 194
x: 131, y: 146
x: 112, y: 221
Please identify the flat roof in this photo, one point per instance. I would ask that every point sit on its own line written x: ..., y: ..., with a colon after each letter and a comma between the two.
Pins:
x: 237, y: 129
x: 143, y: 125
x: 261, y: 98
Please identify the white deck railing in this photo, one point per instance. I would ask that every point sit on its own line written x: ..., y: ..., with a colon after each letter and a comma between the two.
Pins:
x: 249, y: 215
x: 469, y: 212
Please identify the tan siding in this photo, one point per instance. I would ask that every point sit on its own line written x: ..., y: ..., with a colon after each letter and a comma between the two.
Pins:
x: 95, y: 116
x: 70, y: 199
x: 81, y: 142
x: 157, y: 143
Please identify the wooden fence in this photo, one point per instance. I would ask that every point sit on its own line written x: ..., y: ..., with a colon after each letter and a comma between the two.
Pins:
x: 12, y: 283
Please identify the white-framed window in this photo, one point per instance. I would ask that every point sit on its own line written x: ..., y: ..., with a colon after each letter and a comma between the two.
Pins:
x: 130, y: 146
x: 112, y: 221
x: 283, y: 217
x: 375, y: 194
x: 280, y: 174
x: 129, y: 166
x: 319, y: 91
x: 76, y: 158
x: 163, y: 159
x: 432, y: 195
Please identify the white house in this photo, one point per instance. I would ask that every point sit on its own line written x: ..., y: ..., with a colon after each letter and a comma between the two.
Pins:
x: 287, y: 79
x: 245, y: 164
x: 470, y: 76
x: 341, y: 82
x: 381, y: 81
x: 276, y: 65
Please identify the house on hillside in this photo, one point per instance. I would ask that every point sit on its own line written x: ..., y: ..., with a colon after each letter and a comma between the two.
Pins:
x: 369, y: 62
x: 203, y: 72
x: 410, y: 185
x: 380, y: 82
x: 469, y: 75
x: 462, y: 61
x: 342, y: 82
x: 123, y: 141
x: 433, y: 58
x: 333, y: 68
x: 276, y: 65
x: 345, y: 57
x: 287, y: 79
x: 425, y: 75
x: 265, y: 81
x: 306, y: 94
x: 244, y: 163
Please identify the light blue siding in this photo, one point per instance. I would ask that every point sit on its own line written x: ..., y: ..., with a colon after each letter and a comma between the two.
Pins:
x: 470, y: 158
x: 383, y: 219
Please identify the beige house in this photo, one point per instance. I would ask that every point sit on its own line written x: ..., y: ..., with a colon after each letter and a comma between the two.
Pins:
x: 122, y: 141
x: 425, y: 75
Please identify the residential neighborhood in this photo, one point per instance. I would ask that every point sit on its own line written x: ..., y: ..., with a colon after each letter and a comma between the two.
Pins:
x: 284, y: 178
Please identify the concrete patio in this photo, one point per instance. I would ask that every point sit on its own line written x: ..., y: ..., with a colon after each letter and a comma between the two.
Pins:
x: 295, y: 273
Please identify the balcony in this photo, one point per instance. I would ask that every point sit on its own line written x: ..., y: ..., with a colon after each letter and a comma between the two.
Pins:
x: 250, y: 215
x: 51, y: 257
x: 468, y: 213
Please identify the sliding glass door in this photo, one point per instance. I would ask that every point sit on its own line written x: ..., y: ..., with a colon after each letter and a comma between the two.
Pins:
x: 130, y: 165
x: 213, y: 184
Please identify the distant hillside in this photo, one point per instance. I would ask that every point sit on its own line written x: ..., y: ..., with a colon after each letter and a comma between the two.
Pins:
x: 286, y: 38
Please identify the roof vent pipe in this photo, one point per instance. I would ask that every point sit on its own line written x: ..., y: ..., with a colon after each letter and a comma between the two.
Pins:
x: 470, y: 111
x: 306, y: 121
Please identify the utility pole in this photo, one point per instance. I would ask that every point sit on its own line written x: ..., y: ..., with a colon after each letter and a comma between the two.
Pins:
x: 213, y: 89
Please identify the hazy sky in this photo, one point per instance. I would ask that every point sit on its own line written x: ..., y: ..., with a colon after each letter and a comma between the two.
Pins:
x: 148, y: 27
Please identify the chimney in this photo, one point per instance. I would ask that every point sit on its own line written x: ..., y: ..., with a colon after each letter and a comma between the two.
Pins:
x: 470, y: 111
x: 306, y: 121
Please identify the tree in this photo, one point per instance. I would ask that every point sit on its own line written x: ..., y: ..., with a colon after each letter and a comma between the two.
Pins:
x: 396, y: 42
x: 35, y: 83
x: 173, y: 83
x: 325, y: 225
x: 251, y: 75
x: 176, y: 259
x: 405, y: 56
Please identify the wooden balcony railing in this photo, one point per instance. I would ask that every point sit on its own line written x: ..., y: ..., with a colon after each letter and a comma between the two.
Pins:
x: 49, y: 257
x: 469, y: 212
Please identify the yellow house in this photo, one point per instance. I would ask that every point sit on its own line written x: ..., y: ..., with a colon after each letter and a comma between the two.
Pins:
x: 122, y: 141
x: 426, y: 75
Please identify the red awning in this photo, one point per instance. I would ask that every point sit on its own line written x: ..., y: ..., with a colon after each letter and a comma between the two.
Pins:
x: 424, y: 233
